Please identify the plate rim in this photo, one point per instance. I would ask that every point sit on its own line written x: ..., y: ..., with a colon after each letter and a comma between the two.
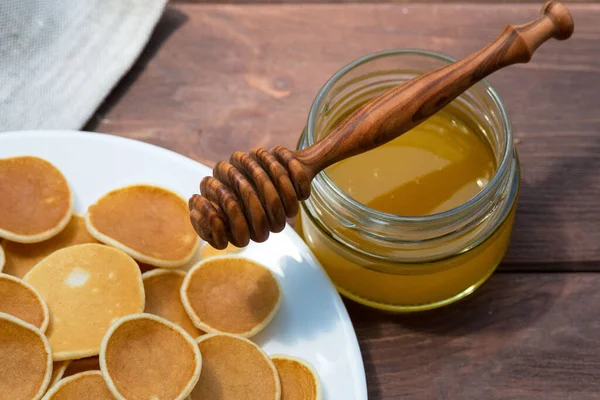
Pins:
x: 348, y: 329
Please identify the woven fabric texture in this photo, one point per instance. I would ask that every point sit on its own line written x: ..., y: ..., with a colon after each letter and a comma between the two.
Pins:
x: 59, y: 59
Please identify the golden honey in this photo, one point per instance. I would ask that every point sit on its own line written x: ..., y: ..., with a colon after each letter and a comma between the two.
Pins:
x: 436, y: 166
x: 425, y: 219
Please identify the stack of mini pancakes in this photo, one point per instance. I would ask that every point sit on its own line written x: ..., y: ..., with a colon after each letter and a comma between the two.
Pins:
x: 111, y: 305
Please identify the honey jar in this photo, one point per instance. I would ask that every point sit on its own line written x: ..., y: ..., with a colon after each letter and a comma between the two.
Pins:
x: 422, y: 221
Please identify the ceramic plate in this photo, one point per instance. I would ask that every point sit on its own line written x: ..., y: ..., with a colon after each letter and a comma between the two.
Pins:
x: 312, y: 322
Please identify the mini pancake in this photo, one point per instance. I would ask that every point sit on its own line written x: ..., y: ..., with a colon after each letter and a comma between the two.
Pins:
x: 58, y: 371
x: 299, y: 380
x: 21, y: 257
x: 228, y: 294
x: 235, y: 368
x: 149, y: 223
x: 21, y: 300
x: 86, y: 287
x: 26, y: 363
x: 82, y: 365
x: 144, y: 356
x: 208, y: 251
x: 35, y: 200
x: 162, y: 288
x: 85, y: 385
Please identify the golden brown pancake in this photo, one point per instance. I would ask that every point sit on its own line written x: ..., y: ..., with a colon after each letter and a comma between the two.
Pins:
x: 299, y: 380
x: 58, y: 371
x: 229, y: 294
x: 82, y: 365
x: 21, y: 257
x: 208, y: 251
x: 148, y: 357
x: 21, y: 300
x: 149, y: 223
x: 26, y: 360
x: 85, y: 385
x: 235, y: 368
x: 35, y: 199
x: 86, y: 287
x: 162, y: 288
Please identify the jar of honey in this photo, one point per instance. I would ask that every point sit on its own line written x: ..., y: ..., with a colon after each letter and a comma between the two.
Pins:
x: 421, y: 221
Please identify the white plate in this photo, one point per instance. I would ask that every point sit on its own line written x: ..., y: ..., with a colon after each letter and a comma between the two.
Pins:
x: 312, y: 322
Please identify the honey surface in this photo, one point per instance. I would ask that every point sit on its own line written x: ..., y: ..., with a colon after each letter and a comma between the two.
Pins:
x: 436, y: 166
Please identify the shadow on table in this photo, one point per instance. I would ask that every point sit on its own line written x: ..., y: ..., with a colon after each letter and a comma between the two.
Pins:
x: 503, y: 308
x: 506, y: 303
x: 170, y: 21
x: 568, y: 190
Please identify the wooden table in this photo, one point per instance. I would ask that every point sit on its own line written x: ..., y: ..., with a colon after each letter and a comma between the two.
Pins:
x: 216, y: 78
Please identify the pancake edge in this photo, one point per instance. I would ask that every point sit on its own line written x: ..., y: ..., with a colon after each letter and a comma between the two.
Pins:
x: 308, y: 365
x: 62, y: 369
x: 187, y: 390
x: 200, y: 324
x: 162, y: 271
x: 2, y: 256
x: 155, y: 262
x: 203, y: 245
x: 270, y: 363
x: 45, y: 235
x: 35, y: 330
x: 36, y: 294
x: 62, y: 382
x: 3, y: 241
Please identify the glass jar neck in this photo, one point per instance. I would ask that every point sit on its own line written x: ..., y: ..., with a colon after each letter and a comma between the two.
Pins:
x: 380, y: 234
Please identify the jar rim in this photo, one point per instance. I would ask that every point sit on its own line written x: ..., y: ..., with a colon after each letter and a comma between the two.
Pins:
x: 504, y: 165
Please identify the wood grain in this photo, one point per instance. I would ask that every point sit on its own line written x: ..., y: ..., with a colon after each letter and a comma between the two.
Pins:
x: 405, y: 106
x: 221, y: 78
x: 521, y: 336
x: 230, y: 198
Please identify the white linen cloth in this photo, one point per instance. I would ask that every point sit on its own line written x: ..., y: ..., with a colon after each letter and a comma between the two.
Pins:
x: 59, y: 59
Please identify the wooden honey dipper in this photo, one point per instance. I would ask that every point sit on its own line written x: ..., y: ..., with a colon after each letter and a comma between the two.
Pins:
x: 252, y: 194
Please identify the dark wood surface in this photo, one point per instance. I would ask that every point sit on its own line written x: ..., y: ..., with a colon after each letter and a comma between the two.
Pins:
x: 523, y: 336
x: 242, y: 203
x: 219, y: 78
x: 216, y: 79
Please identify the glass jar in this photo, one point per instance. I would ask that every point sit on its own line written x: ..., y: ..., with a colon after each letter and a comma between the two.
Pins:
x: 415, y: 263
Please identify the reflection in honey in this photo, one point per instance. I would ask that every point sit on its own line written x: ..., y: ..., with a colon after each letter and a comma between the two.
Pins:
x: 432, y: 168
